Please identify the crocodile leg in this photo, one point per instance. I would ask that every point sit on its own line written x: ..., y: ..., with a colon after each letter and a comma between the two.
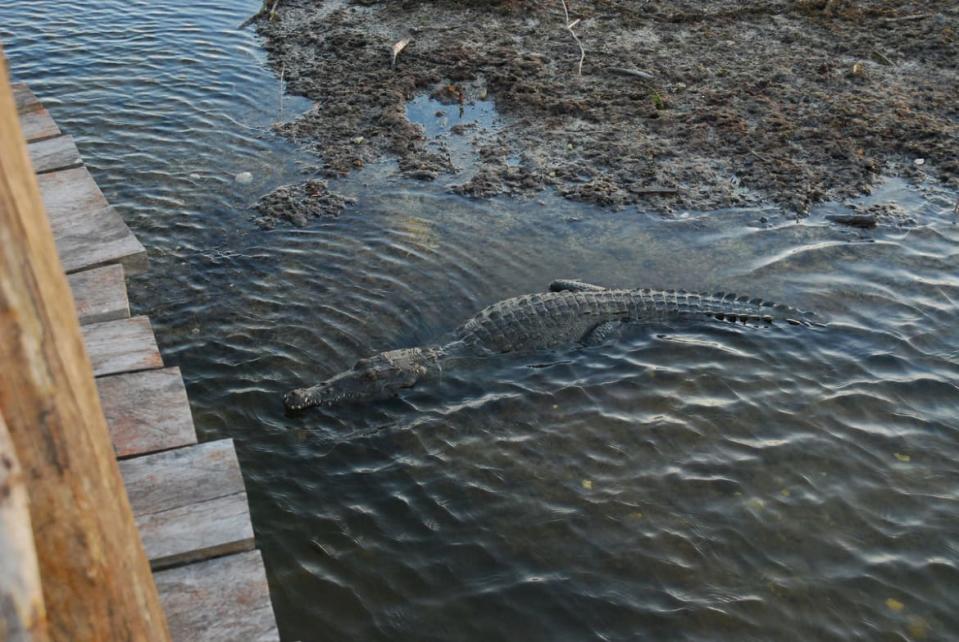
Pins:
x: 571, y: 285
x: 601, y: 333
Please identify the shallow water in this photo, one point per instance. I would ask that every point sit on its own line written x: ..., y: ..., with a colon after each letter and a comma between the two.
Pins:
x: 695, y: 482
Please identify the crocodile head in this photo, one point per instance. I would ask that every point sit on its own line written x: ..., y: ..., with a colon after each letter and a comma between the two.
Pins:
x: 378, y: 377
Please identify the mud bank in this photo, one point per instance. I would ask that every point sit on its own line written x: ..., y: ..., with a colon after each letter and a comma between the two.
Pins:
x: 681, y: 104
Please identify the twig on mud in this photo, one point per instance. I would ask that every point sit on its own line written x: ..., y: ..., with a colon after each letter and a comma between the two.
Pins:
x: 880, y: 57
x: 569, y: 28
x: 282, y: 73
x: 915, y: 16
x: 276, y: 3
x: 635, y: 73
x: 759, y: 156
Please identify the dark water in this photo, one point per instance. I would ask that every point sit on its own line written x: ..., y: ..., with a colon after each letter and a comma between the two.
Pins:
x: 704, y: 482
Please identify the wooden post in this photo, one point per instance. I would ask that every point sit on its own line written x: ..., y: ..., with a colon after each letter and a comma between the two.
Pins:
x: 22, y: 616
x: 96, y: 578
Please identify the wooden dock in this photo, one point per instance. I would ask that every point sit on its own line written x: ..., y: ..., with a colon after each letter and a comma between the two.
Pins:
x: 188, y: 499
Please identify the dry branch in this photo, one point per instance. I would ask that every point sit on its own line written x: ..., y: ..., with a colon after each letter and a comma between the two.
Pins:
x: 569, y: 28
x: 397, y: 48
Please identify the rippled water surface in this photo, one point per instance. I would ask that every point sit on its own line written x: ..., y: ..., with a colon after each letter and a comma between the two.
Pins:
x: 697, y: 482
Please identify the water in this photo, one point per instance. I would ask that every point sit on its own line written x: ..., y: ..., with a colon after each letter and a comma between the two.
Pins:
x: 702, y: 482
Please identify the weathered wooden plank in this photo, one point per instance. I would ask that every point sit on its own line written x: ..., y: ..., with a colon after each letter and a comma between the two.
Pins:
x: 100, y: 238
x: 125, y: 345
x: 23, y: 98
x: 54, y: 153
x: 37, y: 124
x: 147, y: 411
x: 100, y: 294
x: 96, y: 580
x: 219, y: 600
x: 189, y: 503
x: 69, y: 193
x: 182, y: 477
x: 87, y: 231
x: 198, y: 531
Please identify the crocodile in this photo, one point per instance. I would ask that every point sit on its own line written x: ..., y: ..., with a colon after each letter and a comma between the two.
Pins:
x: 569, y: 313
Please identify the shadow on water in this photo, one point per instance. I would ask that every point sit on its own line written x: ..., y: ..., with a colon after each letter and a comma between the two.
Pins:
x: 697, y: 482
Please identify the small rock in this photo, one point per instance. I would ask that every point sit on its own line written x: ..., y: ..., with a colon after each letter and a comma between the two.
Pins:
x: 358, y: 140
x: 919, y: 162
x: 244, y: 178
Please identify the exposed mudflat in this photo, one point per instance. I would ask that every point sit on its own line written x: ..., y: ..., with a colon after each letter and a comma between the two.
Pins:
x: 681, y: 104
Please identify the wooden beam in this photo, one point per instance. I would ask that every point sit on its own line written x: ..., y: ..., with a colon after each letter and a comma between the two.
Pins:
x: 190, y: 503
x: 220, y: 600
x: 96, y: 579
x: 125, y: 345
x: 23, y: 617
x: 147, y: 411
x: 100, y: 294
x: 53, y: 154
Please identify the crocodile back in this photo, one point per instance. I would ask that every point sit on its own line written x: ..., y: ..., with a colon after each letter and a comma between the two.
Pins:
x: 550, y: 319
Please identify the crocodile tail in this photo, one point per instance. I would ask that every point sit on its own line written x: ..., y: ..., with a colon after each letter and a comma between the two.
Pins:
x: 724, y: 306
x: 727, y: 306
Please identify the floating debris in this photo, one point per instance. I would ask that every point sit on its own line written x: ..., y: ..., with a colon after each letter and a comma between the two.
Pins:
x: 865, y: 221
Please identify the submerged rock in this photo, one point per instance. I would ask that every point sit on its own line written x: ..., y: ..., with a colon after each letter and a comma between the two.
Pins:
x: 297, y: 204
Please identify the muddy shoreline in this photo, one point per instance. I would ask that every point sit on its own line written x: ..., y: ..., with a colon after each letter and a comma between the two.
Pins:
x: 680, y: 105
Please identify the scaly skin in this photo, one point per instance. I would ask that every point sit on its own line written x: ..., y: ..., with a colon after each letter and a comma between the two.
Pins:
x: 550, y: 319
x: 571, y: 313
